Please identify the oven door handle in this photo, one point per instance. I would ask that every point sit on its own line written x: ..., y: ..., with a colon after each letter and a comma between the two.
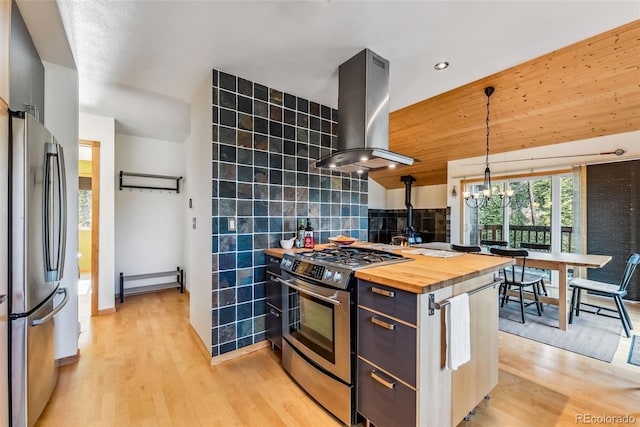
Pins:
x: 331, y: 300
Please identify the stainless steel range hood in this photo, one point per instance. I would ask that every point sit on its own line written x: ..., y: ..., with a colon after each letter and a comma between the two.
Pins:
x: 363, y: 117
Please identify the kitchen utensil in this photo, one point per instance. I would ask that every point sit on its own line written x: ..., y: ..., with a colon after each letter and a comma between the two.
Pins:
x: 343, y: 240
x: 287, y: 243
x: 400, y: 241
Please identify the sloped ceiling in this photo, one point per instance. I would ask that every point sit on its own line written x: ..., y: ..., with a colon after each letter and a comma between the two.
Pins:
x: 141, y: 61
x: 586, y: 90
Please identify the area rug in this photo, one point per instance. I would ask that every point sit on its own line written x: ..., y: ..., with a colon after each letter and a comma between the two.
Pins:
x: 634, y: 352
x: 589, y: 335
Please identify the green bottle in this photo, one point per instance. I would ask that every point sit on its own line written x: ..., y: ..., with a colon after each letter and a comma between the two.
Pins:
x: 300, y: 237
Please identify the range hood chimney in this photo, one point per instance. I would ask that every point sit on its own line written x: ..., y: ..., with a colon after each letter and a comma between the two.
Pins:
x: 363, y: 117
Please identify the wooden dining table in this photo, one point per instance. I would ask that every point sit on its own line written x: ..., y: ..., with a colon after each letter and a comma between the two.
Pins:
x: 561, y: 262
x: 556, y: 261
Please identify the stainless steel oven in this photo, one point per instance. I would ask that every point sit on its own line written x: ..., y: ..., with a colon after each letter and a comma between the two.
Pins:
x: 318, y: 347
x: 318, y: 324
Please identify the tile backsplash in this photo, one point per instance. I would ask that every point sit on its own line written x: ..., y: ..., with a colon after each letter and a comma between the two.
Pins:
x: 433, y: 224
x: 265, y: 143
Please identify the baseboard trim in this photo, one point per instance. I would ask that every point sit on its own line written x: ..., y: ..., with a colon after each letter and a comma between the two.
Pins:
x: 201, y: 345
x: 239, y: 352
x: 106, y: 311
x: 69, y: 360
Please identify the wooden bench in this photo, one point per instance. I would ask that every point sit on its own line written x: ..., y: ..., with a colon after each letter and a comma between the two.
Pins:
x: 178, y: 273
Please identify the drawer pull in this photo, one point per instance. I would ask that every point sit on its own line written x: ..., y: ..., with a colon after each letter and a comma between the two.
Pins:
x: 382, y: 323
x: 383, y: 292
x: 387, y: 384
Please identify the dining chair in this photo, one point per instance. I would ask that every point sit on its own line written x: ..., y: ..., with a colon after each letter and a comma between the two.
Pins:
x: 542, y: 247
x: 513, y: 276
x: 491, y: 243
x: 463, y: 248
x: 606, y: 290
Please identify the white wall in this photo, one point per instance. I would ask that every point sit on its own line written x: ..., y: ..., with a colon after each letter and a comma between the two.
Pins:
x: 558, y: 156
x: 198, y: 189
x: 149, y: 224
x: 61, y: 118
x: 422, y: 197
x: 377, y: 195
x: 102, y: 129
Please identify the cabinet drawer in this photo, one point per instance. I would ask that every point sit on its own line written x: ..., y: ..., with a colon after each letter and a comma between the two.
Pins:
x: 273, y: 293
x: 273, y: 289
x: 273, y: 264
x: 273, y: 326
x: 383, y: 400
x: 388, y: 343
x: 394, y: 302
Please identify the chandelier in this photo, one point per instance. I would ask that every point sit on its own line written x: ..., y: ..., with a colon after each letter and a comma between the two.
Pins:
x: 500, y: 197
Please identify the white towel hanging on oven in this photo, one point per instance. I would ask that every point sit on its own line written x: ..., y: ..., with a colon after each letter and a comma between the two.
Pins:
x: 458, y: 331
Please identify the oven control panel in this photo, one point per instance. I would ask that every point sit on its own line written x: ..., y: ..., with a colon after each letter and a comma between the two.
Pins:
x: 304, y: 268
x: 329, y: 275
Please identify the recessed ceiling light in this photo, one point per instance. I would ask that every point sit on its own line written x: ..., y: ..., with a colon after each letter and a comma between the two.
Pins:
x: 441, y: 65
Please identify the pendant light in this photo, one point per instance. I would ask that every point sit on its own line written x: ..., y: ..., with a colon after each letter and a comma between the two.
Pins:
x: 477, y: 200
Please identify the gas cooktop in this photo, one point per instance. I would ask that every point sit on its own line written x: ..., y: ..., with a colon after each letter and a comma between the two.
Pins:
x: 352, y: 257
x: 335, y: 267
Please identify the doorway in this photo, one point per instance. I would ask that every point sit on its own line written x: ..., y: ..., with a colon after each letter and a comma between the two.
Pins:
x: 88, y: 230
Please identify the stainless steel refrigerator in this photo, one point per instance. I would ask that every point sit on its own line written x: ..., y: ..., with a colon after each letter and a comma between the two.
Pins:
x: 37, y: 240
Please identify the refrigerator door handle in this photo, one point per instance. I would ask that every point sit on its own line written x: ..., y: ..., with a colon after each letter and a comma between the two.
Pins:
x: 62, y: 226
x: 49, y: 269
x: 51, y: 202
x: 59, y: 307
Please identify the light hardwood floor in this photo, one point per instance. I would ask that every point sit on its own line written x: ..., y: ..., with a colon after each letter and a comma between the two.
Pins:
x: 141, y: 367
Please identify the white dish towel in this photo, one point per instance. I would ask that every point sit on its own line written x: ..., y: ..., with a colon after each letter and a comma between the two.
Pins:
x: 458, y: 331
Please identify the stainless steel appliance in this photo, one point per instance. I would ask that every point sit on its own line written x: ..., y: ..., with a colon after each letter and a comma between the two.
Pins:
x: 318, y: 348
x: 363, y: 128
x: 37, y: 240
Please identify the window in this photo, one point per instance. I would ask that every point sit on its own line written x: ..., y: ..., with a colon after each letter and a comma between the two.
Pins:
x: 531, y: 216
x: 530, y: 212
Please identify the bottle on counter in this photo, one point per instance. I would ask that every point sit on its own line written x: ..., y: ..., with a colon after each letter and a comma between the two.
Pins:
x: 300, y: 236
x: 308, y: 235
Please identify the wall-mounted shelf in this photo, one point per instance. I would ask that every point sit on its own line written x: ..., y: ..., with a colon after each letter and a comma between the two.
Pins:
x: 145, y: 177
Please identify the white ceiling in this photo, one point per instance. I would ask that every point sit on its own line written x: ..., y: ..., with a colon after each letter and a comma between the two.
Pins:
x: 142, y: 61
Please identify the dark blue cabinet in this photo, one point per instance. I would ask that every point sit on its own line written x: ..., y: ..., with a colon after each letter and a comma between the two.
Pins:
x: 387, y: 351
x: 273, y: 291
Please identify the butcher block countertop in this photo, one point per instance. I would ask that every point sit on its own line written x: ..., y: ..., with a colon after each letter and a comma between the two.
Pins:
x: 424, y: 273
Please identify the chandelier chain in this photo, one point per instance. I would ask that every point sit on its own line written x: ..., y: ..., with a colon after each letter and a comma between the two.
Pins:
x: 487, y: 123
x: 503, y: 197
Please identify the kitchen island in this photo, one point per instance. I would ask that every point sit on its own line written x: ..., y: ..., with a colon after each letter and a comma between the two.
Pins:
x: 401, y: 353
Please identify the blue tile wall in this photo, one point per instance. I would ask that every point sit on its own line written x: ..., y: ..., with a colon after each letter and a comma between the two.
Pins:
x: 265, y: 143
x: 434, y: 225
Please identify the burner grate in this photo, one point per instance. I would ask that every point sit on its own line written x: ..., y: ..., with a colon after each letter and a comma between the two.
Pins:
x: 352, y: 257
